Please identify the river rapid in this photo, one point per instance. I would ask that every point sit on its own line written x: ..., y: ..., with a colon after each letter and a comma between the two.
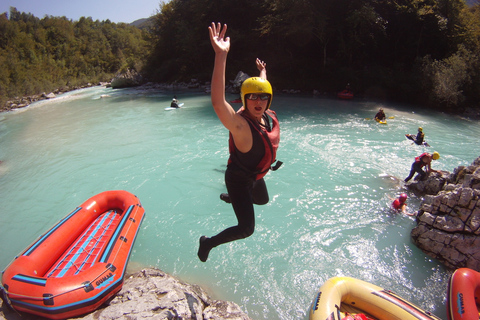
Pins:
x: 328, y: 213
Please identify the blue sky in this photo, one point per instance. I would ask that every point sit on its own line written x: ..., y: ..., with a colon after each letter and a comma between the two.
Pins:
x: 115, y: 10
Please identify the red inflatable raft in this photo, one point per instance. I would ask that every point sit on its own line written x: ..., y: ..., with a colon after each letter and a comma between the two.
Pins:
x: 463, y: 291
x: 79, y: 263
x: 345, y: 95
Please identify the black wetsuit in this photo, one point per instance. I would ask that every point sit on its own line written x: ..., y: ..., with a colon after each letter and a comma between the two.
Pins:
x: 380, y: 116
x: 244, y: 191
x: 417, y: 168
x: 419, y: 138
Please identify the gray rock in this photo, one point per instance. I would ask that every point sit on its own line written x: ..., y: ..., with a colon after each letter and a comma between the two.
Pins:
x: 448, y: 221
x: 153, y: 294
x: 129, y: 78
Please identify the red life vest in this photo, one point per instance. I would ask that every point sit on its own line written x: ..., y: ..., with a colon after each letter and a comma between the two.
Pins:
x: 270, y: 139
x: 420, y: 157
x: 396, y: 204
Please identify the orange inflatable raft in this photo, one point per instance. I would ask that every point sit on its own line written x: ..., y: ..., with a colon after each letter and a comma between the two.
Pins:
x: 79, y: 263
x: 463, y: 295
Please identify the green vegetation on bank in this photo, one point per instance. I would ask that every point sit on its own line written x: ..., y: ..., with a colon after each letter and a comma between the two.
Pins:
x: 416, y: 51
x: 40, y: 55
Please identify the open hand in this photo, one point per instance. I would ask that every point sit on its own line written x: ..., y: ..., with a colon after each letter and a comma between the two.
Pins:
x: 220, y: 43
x: 261, y: 65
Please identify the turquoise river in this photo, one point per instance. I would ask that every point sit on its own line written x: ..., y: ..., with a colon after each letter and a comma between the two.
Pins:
x: 328, y: 213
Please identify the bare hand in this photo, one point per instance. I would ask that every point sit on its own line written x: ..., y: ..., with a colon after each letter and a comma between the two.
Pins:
x: 261, y: 65
x: 220, y: 43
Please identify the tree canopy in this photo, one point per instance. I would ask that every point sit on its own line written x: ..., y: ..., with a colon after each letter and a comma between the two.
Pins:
x: 417, y: 51
x: 39, y: 55
x: 402, y: 49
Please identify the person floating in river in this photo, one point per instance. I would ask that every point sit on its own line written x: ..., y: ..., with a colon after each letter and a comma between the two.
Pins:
x: 174, y: 103
x: 380, y: 116
x: 420, y: 136
x: 253, y: 143
x: 423, y: 160
x: 418, y: 139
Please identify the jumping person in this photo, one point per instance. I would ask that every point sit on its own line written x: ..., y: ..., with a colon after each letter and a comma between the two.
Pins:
x: 253, y: 142
x: 423, y: 160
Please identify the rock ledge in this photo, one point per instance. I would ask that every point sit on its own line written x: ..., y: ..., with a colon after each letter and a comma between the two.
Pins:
x: 448, y: 222
x: 153, y: 294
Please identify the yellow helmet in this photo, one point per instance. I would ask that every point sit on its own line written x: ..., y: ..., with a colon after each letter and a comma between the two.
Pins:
x: 420, y: 129
x: 436, y: 155
x: 256, y: 85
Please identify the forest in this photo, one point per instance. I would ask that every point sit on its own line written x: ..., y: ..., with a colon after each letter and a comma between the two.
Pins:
x: 424, y: 52
x: 40, y: 55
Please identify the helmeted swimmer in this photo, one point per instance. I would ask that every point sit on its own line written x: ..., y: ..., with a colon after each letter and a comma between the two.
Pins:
x: 399, y: 203
x: 380, y: 116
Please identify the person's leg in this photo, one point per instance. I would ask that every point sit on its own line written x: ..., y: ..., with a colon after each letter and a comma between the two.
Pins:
x: 260, y: 193
x: 412, y: 173
x: 240, y: 193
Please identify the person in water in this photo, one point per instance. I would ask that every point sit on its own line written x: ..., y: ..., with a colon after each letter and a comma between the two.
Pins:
x: 423, y: 160
x: 420, y: 136
x: 419, y: 139
x: 254, y: 135
x: 174, y: 103
x: 380, y: 116
x: 399, y: 204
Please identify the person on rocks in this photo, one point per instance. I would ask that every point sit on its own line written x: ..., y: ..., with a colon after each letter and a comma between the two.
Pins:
x: 423, y: 160
x: 254, y: 135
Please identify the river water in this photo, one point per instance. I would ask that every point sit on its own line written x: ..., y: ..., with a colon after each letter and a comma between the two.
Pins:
x: 328, y: 213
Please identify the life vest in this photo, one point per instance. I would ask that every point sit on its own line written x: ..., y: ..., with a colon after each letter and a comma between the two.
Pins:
x: 420, y: 137
x: 419, y: 159
x: 396, y: 204
x: 270, y: 140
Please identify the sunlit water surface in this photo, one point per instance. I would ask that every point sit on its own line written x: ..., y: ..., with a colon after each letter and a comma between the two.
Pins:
x: 329, y: 208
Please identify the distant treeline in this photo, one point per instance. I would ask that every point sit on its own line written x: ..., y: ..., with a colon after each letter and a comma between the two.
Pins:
x: 40, y: 55
x: 417, y: 51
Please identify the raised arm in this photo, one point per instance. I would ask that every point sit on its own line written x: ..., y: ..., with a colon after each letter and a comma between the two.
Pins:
x: 262, y: 67
x: 221, y: 46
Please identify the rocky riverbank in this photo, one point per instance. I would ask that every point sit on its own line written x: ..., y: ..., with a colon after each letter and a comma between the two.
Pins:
x: 448, y: 221
x: 22, y: 102
x: 153, y: 294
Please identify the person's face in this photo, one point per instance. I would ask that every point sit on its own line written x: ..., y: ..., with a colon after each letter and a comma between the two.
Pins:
x: 257, y: 103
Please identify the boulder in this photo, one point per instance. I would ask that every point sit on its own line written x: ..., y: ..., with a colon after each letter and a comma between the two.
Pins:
x: 433, y: 184
x: 448, y: 221
x: 153, y: 294
x: 129, y: 78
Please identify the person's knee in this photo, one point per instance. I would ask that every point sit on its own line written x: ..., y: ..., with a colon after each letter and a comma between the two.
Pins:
x: 261, y: 201
x: 247, y: 231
